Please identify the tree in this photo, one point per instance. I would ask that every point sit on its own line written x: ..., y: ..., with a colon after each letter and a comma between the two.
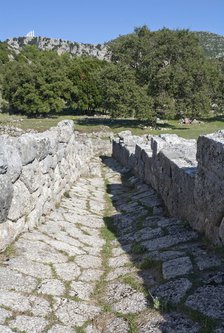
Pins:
x: 180, y: 79
x: 83, y: 72
x: 121, y: 96
x: 37, y: 86
x: 4, y: 53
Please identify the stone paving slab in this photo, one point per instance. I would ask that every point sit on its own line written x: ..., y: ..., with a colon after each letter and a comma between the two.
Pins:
x: 110, y: 260
x: 176, y: 267
x: 169, y: 323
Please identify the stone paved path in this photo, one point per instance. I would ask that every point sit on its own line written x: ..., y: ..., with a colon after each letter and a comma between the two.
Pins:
x: 110, y: 260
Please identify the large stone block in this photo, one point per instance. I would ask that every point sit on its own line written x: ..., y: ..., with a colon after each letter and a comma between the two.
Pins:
x: 42, y: 145
x: 21, y: 203
x: 3, y: 161
x: 27, y: 147
x: 65, y: 130
x: 13, y: 161
x: 31, y: 176
x: 6, y: 195
x: 9, y: 231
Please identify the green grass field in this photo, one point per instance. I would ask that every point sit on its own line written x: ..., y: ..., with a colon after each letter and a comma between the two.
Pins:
x: 95, y: 124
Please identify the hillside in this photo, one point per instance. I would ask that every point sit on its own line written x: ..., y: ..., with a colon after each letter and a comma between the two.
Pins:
x: 150, y: 74
x: 212, y: 44
x: 61, y: 46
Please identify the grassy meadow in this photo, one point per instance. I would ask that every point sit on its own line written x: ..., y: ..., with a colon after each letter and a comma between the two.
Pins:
x: 96, y: 124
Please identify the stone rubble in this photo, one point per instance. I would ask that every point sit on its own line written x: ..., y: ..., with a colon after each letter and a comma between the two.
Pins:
x: 106, y: 262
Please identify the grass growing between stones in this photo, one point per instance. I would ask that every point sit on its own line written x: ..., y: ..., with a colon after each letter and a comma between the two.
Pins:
x: 207, y: 324
x: 57, y: 205
x: 159, y: 304
x: 80, y: 330
x: 138, y: 248
x: 67, y: 195
x: 148, y: 263
x: 128, y: 279
x: 108, y: 235
x: 132, y: 319
x: 10, y: 251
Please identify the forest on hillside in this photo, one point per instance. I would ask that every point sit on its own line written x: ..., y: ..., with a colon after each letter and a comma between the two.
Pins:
x: 162, y: 74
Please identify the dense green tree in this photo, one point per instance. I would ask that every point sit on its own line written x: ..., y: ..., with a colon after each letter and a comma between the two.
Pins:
x: 163, y: 73
x: 39, y: 85
x: 4, y: 53
x: 83, y: 72
x: 180, y: 79
x: 121, y: 96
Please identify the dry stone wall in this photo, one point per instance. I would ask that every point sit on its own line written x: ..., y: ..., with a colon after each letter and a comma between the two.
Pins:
x: 35, y: 171
x: 188, y: 175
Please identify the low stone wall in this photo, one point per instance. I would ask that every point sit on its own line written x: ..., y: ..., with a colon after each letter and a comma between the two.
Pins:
x: 35, y: 171
x: 188, y: 175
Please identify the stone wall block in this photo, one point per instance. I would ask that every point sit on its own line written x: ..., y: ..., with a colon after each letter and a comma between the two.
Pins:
x: 22, y: 202
x: 43, y: 146
x: 6, y: 195
x: 3, y: 161
x: 61, y: 151
x: 36, y: 170
x: 31, y: 176
x: 189, y: 178
x: 65, y: 130
x: 47, y: 164
x: 13, y: 161
x: 27, y: 147
x: 10, y: 230
x: 52, y: 135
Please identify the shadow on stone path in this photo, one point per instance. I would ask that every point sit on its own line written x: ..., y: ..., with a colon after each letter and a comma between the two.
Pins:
x: 110, y: 260
x: 160, y: 263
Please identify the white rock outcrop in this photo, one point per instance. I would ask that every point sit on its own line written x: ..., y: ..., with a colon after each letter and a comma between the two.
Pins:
x: 99, y: 51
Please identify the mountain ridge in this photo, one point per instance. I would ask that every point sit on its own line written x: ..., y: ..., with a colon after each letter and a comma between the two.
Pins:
x: 211, y: 43
x: 61, y: 46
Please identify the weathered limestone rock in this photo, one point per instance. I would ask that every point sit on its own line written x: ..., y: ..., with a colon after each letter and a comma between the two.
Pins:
x: 189, y: 180
x: 65, y: 130
x: 99, y: 51
x: 177, y: 267
x: 31, y: 176
x: 13, y: 160
x: 36, y: 169
x: 27, y: 148
x: 4, y: 314
x: 3, y: 161
x: 209, y: 185
x: 169, y: 323
x: 172, y: 291
x: 28, y: 324
x: 21, y: 202
x: 67, y: 275
x: 209, y: 300
x: 76, y: 313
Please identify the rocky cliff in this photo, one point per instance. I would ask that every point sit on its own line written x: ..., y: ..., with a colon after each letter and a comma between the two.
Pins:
x: 99, y: 51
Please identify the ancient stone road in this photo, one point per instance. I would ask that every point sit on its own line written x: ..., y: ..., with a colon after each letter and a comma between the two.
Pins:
x: 110, y: 260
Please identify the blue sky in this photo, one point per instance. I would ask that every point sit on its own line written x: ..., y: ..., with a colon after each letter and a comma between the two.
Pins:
x: 99, y: 21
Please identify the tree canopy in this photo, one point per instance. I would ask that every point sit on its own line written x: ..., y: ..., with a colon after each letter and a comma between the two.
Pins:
x: 163, y: 73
